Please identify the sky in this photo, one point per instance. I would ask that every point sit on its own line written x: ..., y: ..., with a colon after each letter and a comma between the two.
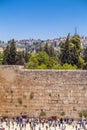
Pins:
x: 42, y: 19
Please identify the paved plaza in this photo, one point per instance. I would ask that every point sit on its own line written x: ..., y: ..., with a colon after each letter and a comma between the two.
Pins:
x: 32, y: 125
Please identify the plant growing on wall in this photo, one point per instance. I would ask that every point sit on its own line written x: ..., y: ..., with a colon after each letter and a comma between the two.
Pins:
x: 16, y: 105
x: 11, y: 92
x: 31, y: 95
x: 6, y: 111
x: 83, y: 113
x: 42, y: 113
x: 20, y: 101
x: 62, y: 113
x: 25, y: 106
x: 49, y: 94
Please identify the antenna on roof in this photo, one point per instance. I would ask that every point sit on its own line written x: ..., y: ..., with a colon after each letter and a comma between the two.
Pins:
x: 75, y: 31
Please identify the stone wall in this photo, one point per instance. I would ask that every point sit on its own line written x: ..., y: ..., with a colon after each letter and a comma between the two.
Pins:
x: 30, y: 91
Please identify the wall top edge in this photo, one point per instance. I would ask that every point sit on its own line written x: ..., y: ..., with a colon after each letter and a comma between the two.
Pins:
x: 17, y: 67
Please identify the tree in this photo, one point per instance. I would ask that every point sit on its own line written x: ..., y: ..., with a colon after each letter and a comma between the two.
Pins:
x: 71, y: 51
x: 12, y: 53
x: 76, y: 41
x: 41, y: 48
x: 73, y: 55
x: 85, y: 58
x: 26, y: 56
x: 46, y: 48
x: 6, y: 55
x: 20, y: 59
x: 41, y: 60
x: 49, y: 49
x: 33, y: 62
x: 64, y: 56
x: 85, y: 54
x: 1, y: 58
x: 77, y: 57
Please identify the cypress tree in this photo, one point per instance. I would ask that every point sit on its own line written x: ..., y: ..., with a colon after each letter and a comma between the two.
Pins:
x: 20, y: 58
x: 26, y: 56
x: 6, y: 55
x: 12, y: 53
x: 64, y: 57
x: 85, y: 54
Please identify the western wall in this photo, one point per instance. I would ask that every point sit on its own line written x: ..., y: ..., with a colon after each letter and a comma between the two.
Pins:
x: 53, y: 91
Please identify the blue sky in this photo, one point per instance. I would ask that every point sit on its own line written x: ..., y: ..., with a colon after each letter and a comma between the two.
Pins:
x: 44, y: 19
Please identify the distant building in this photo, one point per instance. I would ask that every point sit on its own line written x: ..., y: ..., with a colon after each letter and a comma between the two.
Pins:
x: 20, y: 49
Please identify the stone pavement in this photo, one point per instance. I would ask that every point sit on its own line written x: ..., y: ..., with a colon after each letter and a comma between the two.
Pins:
x: 39, y: 127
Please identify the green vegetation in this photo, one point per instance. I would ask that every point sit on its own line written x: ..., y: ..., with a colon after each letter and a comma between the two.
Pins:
x: 10, y: 53
x: 41, y: 60
x: 12, y: 57
x: 1, y: 58
x: 62, y: 113
x: 70, y: 57
x: 65, y: 67
x: 70, y: 52
x: 42, y: 113
x: 83, y: 113
x: 49, y: 50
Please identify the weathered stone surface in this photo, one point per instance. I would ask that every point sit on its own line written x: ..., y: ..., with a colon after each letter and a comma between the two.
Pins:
x: 30, y: 91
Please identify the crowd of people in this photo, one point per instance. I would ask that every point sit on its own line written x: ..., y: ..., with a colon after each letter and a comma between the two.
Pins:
x: 26, y: 123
